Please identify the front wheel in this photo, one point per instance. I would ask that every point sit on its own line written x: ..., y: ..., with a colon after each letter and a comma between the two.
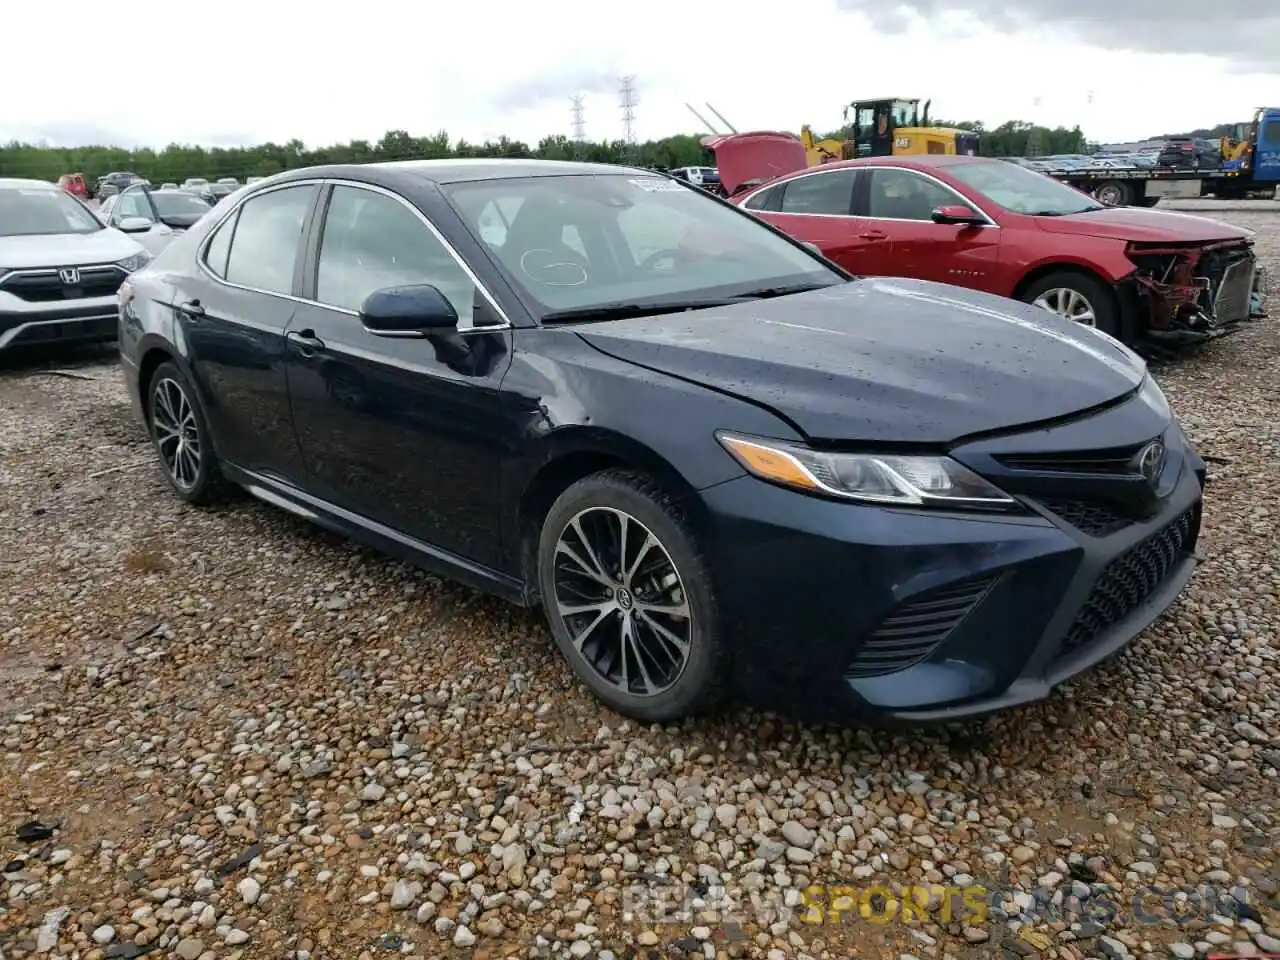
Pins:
x: 629, y: 597
x: 1078, y: 298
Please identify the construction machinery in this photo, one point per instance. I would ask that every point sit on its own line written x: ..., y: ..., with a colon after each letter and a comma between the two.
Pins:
x: 898, y: 127
x: 820, y: 151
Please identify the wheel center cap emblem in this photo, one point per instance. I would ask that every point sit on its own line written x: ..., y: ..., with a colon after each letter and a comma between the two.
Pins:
x: 623, y: 596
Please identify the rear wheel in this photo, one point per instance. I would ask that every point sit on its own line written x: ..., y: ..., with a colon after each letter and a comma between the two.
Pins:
x: 1079, y: 298
x: 181, y: 436
x: 629, y: 597
x: 1114, y: 193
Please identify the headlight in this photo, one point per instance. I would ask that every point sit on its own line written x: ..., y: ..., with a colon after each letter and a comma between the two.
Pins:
x: 909, y: 481
x: 136, y: 262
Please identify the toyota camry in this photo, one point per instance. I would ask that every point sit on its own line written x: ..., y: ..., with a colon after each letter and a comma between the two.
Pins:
x: 718, y: 462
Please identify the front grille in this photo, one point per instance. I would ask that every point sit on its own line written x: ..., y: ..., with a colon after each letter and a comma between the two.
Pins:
x: 1114, y: 462
x: 46, y: 286
x: 1131, y: 578
x: 917, y: 628
x: 1093, y: 517
x: 1233, y: 300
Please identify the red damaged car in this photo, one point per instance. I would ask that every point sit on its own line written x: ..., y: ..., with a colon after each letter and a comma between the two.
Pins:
x: 1137, y: 274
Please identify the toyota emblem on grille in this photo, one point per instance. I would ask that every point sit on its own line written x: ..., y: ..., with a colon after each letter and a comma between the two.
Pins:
x: 1150, y: 461
x: 69, y: 275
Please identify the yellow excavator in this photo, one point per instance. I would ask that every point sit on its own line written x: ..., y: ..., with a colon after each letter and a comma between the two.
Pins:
x: 888, y: 127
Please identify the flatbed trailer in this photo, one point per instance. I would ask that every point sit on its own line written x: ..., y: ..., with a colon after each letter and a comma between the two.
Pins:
x: 1146, y: 186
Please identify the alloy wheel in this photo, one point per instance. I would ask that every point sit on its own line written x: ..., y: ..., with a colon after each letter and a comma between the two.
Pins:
x: 622, y: 601
x: 177, y: 434
x: 1068, y: 304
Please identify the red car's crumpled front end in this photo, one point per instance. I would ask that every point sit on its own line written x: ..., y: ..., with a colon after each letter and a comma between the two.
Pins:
x: 1195, y: 291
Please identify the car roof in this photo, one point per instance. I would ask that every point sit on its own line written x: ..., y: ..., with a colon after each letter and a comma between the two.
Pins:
x: 922, y: 161
x: 15, y: 183
x: 463, y: 170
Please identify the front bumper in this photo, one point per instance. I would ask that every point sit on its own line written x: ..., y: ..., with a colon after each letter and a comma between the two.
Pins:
x: 842, y: 612
x: 82, y: 320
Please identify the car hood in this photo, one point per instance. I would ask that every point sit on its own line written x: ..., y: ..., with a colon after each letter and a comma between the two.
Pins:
x: 885, y: 360
x: 66, y: 249
x: 1143, y: 225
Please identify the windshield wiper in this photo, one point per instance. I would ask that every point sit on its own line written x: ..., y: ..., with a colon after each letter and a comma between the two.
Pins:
x: 638, y: 308
x: 652, y: 308
x: 764, y: 293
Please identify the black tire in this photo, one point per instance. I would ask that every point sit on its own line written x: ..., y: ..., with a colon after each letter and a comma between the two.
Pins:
x: 1114, y: 193
x: 206, y: 484
x: 698, y: 685
x: 1101, y: 298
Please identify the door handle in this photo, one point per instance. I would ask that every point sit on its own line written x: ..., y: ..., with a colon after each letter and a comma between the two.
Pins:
x: 192, y: 309
x: 874, y: 235
x: 306, y: 341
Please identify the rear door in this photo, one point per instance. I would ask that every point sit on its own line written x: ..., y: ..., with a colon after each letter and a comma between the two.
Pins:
x: 899, y: 203
x: 232, y: 314
x: 817, y: 208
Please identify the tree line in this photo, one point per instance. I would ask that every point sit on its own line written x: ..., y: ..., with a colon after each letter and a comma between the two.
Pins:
x: 177, y: 162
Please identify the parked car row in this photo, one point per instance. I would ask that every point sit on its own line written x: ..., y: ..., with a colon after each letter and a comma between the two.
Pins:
x: 110, y: 184
x: 716, y: 458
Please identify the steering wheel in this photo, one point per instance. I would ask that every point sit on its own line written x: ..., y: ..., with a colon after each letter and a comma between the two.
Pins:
x: 554, y: 268
x: 648, y: 264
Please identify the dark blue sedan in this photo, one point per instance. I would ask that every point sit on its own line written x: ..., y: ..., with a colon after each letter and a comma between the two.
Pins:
x: 718, y: 462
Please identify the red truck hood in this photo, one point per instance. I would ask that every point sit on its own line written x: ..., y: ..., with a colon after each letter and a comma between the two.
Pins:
x: 1142, y: 225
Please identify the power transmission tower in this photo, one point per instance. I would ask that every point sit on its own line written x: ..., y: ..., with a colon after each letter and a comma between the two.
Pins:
x: 1035, y: 136
x: 628, y: 100
x: 579, y: 123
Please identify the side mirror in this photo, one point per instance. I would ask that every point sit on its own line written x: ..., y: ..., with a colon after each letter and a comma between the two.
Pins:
x: 407, y: 311
x: 813, y: 248
x: 956, y: 214
x: 133, y: 225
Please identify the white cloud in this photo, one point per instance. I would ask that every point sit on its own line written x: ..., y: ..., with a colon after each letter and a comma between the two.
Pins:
x: 248, y: 72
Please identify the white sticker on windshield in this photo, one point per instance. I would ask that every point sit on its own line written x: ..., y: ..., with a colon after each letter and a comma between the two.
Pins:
x: 657, y: 185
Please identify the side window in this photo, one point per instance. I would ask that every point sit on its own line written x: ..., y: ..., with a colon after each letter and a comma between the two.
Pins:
x: 373, y: 241
x: 770, y: 199
x: 903, y: 195
x: 495, y: 219
x: 132, y: 203
x: 572, y: 239
x: 215, y: 255
x: 264, y: 251
x: 830, y: 193
x: 650, y: 227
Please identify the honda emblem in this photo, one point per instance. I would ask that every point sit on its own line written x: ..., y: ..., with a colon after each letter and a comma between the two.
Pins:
x: 69, y: 275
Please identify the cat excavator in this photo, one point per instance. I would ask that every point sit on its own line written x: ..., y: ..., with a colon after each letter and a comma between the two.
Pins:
x: 888, y: 127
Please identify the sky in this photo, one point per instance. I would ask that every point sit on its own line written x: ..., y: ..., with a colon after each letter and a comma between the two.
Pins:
x: 242, y: 73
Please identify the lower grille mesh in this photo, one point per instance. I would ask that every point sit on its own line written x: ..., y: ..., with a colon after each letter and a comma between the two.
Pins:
x: 1094, y: 518
x: 1131, y: 578
x: 915, y: 629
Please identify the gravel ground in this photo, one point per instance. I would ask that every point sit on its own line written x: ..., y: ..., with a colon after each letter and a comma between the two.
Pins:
x: 256, y: 740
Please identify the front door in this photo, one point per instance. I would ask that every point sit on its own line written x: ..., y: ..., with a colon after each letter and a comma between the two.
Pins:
x: 407, y: 433
x: 900, y: 203
x: 817, y: 208
x: 233, y: 319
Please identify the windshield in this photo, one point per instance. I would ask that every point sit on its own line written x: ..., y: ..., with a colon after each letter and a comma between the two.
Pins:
x: 581, y: 242
x: 40, y: 212
x: 196, y: 182
x: 1020, y: 190
x: 171, y: 203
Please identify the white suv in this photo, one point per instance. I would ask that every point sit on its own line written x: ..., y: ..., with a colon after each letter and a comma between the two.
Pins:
x: 60, y: 267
